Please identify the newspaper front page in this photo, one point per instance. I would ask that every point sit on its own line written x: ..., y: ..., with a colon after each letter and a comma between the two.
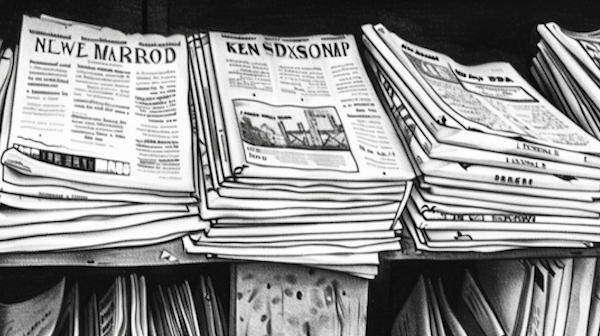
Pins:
x: 101, y: 107
x: 217, y: 202
x: 303, y: 107
x: 14, y: 182
x: 461, y: 171
x: 488, y: 106
x: 442, y: 141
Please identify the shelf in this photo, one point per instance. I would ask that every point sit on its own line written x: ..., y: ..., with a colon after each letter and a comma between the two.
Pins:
x: 512, y: 254
x: 503, y: 31
x: 470, y: 31
x: 409, y: 253
x: 153, y: 255
x: 157, y: 255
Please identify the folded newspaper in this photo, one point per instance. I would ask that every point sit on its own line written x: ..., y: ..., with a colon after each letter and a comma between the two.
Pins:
x: 500, y: 167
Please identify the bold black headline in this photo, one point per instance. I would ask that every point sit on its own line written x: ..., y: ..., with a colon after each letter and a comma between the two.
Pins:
x: 106, y: 52
x: 287, y: 50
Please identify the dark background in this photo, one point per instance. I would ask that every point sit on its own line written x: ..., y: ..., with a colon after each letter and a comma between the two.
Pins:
x: 470, y: 31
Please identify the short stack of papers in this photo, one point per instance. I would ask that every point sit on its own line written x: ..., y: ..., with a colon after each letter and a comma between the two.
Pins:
x: 500, y: 167
x: 299, y: 161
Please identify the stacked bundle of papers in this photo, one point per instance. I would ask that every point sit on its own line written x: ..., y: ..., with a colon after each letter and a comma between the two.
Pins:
x: 96, y: 139
x: 298, y: 161
x: 500, y: 167
x: 566, y: 69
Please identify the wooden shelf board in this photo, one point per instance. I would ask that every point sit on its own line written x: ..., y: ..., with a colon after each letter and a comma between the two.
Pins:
x: 111, y: 257
x: 511, y: 254
x: 153, y: 256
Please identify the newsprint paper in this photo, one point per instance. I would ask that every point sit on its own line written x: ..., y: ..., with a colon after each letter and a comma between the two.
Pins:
x: 101, y: 107
x: 303, y: 108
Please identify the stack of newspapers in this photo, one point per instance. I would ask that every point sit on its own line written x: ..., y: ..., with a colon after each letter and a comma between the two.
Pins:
x: 253, y: 147
x: 500, y: 167
x: 566, y: 69
x: 96, y: 139
x: 299, y: 162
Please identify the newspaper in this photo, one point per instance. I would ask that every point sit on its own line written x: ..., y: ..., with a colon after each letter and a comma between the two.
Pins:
x: 489, y: 106
x: 436, y: 142
x: 45, y: 187
x: 340, y: 259
x: 457, y: 245
x: 459, y: 229
x: 583, y: 46
x: 587, y: 196
x: 123, y: 231
x: 255, y: 199
x: 295, y: 249
x: 112, y: 309
x: 569, y: 63
x: 450, y: 214
x: 302, y: 107
x: 296, y: 237
x: 278, y: 230
x: 566, y: 91
x: 509, y: 198
x: 214, y: 158
x: 91, y: 224
x: 11, y: 217
x: 494, y: 205
x: 418, y: 145
x: 101, y: 107
x: 500, y: 167
x: 292, y: 139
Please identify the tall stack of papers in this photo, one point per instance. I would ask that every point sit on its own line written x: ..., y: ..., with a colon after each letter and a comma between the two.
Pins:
x: 96, y: 139
x: 299, y: 162
x: 566, y: 68
x: 500, y: 167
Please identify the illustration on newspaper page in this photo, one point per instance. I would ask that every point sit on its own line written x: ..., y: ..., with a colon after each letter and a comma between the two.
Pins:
x: 265, y: 128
